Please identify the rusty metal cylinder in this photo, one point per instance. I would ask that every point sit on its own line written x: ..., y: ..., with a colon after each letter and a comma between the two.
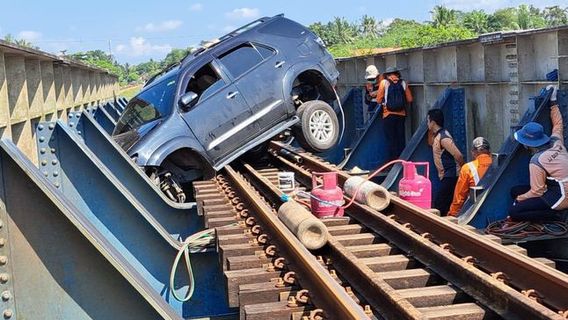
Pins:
x: 311, y: 232
x: 370, y: 193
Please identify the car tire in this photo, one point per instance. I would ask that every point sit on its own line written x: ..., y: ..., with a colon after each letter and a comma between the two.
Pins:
x: 318, y: 129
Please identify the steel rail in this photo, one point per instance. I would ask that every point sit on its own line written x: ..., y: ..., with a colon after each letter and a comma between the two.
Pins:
x: 360, y: 276
x: 548, y: 285
x: 311, y: 274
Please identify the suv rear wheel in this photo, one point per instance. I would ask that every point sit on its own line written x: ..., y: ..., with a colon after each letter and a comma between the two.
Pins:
x: 318, y: 129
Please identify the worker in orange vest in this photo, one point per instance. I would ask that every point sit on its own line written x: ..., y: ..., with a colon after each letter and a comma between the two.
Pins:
x: 471, y: 173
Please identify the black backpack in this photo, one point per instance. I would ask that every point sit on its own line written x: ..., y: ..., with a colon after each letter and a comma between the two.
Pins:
x: 396, y: 99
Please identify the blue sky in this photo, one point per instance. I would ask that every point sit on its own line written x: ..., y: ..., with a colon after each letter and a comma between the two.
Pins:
x: 136, y: 31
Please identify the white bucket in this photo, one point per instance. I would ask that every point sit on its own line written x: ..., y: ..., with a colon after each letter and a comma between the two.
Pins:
x: 286, y: 181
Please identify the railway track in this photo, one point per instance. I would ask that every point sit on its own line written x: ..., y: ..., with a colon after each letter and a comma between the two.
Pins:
x: 401, y: 263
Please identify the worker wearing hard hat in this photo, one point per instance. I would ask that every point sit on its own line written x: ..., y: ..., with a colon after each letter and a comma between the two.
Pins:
x: 471, y: 173
x: 372, y: 78
x: 548, y: 168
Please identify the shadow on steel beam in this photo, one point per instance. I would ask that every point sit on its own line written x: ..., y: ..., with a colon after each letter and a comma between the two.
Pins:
x: 63, y: 266
x: 103, y: 119
x: 111, y: 111
x: 148, y: 240
x: 352, y: 104
x: 494, y: 202
x: 452, y: 103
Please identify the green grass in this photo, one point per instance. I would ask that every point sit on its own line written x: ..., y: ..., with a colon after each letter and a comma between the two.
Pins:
x: 130, y: 92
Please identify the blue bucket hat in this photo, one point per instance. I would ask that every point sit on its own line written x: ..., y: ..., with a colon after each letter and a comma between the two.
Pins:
x: 532, y: 135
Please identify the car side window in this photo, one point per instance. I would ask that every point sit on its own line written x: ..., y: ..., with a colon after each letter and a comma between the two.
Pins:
x: 205, y: 82
x: 264, y: 51
x: 242, y: 58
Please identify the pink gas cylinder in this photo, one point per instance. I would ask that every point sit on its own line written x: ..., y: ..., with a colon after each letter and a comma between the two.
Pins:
x: 415, y: 188
x: 327, y: 198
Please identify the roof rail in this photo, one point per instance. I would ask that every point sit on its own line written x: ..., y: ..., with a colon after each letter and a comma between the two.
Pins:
x: 231, y: 34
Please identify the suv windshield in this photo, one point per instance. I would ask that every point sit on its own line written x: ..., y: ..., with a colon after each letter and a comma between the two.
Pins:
x: 151, y: 104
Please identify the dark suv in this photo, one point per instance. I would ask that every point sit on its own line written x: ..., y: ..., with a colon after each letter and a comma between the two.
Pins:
x: 229, y: 97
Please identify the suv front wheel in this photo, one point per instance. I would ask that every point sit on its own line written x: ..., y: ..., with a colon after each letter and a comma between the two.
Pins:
x: 318, y: 129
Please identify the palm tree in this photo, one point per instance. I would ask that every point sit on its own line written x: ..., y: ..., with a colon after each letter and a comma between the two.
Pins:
x: 477, y: 21
x: 342, y: 31
x: 369, y: 26
x: 556, y: 16
x: 442, y: 16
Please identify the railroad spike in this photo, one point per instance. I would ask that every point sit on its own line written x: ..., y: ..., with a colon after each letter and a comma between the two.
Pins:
x: 302, y: 296
x: 290, y: 277
x: 470, y: 260
x: 256, y: 230
x: 279, y: 263
x: 532, y: 294
x: 270, y: 250
x: 500, y: 276
x: 263, y: 238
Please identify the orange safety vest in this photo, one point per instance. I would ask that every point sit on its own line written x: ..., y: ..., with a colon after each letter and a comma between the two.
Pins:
x: 470, y: 175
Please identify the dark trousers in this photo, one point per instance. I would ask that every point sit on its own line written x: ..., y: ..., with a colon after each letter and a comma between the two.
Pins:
x: 533, y: 209
x: 443, y: 198
x: 395, y: 135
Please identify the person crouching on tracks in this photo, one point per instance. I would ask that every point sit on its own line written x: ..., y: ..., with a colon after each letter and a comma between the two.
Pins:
x: 547, y: 194
x: 447, y: 159
x: 394, y: 94
x: 471, y: 173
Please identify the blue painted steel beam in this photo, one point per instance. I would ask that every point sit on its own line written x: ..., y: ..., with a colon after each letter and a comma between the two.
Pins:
x: 148, y: 240
x: 59, y: 264
x: 111, y: 110
x: 131, y: 176
x: 104, y: 119
x: 494, y: 202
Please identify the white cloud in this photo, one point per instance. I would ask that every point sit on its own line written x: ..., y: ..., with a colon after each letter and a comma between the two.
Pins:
x: 138, y: 46
x: 196, y: 7
x: 167, y: 25
x: 491, y: 5
x: 28, y: 35
x: 386, y: 22
x: 243, y: 13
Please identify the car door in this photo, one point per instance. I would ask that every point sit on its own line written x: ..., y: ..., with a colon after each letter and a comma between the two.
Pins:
x: 217, y: 118
x: 258, y: 73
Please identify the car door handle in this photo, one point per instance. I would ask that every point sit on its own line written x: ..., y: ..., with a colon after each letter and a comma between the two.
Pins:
x: 279, y: 64
x: 231, y: 95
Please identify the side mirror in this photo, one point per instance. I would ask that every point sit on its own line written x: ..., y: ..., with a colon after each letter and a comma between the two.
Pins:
x: 187, y: 100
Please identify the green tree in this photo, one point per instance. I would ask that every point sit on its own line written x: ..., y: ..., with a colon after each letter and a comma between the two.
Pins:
x: 556, y: 16
x: 342, y: 31
x: 443, y: 16
x: 503, y: 19
x: 476, y: 21
x: 20, y: 42
x: 369, y: 27
x: 529, y: 17
x: 174, y: 56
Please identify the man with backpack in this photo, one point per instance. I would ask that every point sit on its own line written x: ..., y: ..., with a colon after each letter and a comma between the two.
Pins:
x: 394, y: 94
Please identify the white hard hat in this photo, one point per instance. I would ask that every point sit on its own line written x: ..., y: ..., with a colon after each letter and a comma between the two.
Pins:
x: 371, y: 72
